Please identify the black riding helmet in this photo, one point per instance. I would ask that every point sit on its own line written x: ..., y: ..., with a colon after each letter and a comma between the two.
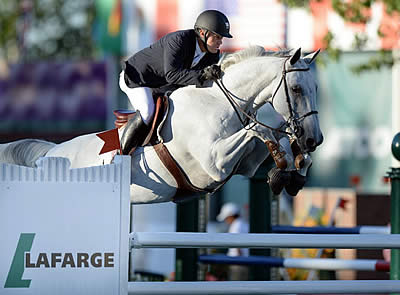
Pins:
x: 213, y: 21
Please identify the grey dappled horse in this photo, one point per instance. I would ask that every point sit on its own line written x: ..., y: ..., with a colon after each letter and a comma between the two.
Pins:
x: 210, y: 131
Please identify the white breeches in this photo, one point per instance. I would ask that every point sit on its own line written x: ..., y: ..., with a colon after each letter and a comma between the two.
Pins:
x: 140, y: 98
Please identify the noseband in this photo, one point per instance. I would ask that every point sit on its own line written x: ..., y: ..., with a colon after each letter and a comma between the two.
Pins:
x: 293, y: 122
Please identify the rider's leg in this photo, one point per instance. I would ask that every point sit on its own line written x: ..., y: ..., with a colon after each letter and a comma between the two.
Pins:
x: 140, y: 98
x: 137, y: 128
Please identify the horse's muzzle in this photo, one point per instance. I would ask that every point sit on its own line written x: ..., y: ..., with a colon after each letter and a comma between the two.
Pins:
x: 311, y: 144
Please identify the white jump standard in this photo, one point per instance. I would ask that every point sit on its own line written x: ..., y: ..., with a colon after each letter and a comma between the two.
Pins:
x: 65, y: 231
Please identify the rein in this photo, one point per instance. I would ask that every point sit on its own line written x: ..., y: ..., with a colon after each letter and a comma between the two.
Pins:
x: 292, y: 121
x: 237, y: 108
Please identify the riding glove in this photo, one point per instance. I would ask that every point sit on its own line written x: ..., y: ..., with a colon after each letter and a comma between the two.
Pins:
x: 212, y: 72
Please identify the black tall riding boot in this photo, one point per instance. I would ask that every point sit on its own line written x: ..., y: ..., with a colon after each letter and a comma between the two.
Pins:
x: 134, y: 134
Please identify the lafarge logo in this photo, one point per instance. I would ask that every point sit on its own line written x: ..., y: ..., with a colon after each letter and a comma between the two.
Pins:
x: 24, y: 259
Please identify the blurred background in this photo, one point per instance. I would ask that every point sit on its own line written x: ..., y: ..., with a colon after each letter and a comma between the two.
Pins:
x: 60, y: 62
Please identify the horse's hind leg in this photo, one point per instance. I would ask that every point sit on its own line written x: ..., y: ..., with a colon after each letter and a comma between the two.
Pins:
x: 82, y: 151
x: 4, y: 154
x: 24, y: 152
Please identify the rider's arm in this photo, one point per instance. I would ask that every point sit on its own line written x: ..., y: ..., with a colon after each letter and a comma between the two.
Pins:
x: 175, y: 72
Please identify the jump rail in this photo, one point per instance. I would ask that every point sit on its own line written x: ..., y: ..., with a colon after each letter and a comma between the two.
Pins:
x: 273, y: 287
x: 363, y: 229
x: 225, y: 240
x: 305, y: 263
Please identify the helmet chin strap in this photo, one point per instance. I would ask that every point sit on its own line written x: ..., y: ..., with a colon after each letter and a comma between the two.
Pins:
x: 204, y: 40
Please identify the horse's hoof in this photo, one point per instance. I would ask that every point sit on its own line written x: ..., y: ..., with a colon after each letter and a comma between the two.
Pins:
x: 277, y: 180
x: 296, y: 183
x: 292, y: 190
x: 277, y: 155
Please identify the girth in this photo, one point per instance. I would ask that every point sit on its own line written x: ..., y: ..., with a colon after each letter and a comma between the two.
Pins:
x: 184, y: 186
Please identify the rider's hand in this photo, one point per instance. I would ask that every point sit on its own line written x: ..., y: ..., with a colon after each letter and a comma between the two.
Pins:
x: 212, y: 72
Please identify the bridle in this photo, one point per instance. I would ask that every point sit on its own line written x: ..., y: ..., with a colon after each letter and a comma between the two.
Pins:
x: 293, y: 121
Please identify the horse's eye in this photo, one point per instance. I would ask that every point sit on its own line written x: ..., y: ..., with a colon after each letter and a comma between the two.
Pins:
x: 296, y: 89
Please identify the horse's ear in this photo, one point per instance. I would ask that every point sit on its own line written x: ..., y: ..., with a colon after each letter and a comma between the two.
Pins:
x: 295, y: 57
x: 311, y: 57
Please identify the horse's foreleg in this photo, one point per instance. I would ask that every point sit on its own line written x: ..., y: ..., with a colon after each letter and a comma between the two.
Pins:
x: 249, y: 163
x: 235, y: 156
x: 298, y: 177
x: 230, y: 152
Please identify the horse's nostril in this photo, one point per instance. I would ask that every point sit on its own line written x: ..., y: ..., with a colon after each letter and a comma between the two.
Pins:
x: 310, y: 142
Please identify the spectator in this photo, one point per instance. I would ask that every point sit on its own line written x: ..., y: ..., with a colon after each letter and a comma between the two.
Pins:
x: 230, y: 214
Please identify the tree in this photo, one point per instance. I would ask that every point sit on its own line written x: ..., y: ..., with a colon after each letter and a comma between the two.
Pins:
x: 357, y: 12
x: 46, y: 29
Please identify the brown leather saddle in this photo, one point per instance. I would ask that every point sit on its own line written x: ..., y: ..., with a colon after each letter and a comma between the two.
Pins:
x: 161, y: 107
x: 185, y: 189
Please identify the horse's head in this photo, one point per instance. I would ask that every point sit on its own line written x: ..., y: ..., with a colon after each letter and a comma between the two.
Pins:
x: 294, y: 98
x: 255, y: 76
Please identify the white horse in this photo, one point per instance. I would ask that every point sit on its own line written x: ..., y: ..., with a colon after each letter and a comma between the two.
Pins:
x: 204, y: 131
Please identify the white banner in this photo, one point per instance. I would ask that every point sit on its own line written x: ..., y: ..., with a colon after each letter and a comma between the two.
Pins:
x: 64, y: 231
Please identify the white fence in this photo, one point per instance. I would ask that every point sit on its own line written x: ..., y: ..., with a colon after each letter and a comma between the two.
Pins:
x: 66, y: 231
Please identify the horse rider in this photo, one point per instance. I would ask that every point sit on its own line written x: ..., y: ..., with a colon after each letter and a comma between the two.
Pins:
x: 181, y: 58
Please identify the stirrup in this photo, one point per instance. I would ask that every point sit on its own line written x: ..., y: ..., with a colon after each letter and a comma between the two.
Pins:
x: 122, y: 117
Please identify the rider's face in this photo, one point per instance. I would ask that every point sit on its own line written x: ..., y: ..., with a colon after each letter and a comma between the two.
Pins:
x: 214, y: 41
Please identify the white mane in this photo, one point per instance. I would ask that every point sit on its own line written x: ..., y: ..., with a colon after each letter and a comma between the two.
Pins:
x: 250, y: 52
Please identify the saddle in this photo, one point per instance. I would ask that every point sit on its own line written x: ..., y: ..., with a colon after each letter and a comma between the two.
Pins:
x: 161, y: 111
x: 185, y: 189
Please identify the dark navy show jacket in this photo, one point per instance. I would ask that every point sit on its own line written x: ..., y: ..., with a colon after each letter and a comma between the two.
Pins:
x: 165, y: 65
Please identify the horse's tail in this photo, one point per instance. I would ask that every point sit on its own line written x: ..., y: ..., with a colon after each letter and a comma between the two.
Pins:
x: 24, y: 152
